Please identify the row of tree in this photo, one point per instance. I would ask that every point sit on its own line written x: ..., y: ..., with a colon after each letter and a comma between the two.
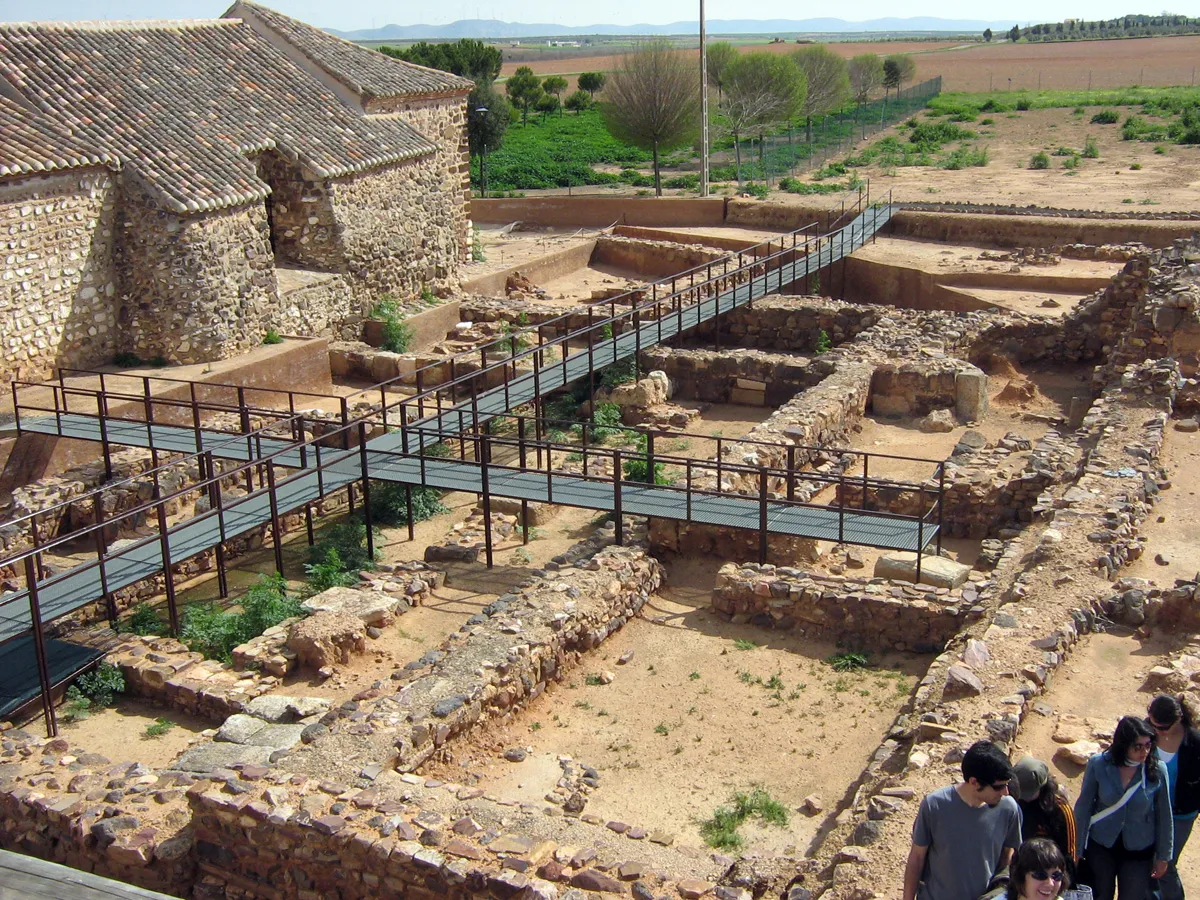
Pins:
x: 1099, y: 29
x: 652, y: 100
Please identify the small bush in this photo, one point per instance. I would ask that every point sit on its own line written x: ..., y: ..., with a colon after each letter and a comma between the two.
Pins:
x: 1040, y: 160
x: 127, y: 360
x: 1071, y: 162
x: 823, y: 343
x: 848, y: 662
x: 1106, y: 117
x: 721, y: 830
x: 397, y: 335
x: 272, y: 337
x: 143, y: 620
x: 1064, y: 151
x: 1023, y: 105
x: 756, y: 190
x: 390, y: 509
x: 987, y: 121
x: 102, y: 684
x: 477, y: 251
x: 1136, y: 167
x: 159, y: 727
x: 76, y: 707
x: 638, y: 468
x: 349, y: 539
x: 329, y: 573
x: 621, y: 372
x: 1090, y: 149
x: 214, y: 632
x: 965, y: 157
x: 1160, y: 149
x: 1078, y: 111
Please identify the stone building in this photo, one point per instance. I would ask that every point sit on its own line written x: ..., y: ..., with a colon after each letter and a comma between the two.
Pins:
x: 176, y: 189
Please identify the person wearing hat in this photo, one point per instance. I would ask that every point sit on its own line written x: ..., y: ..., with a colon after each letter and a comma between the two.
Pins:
x: 1045, y: 811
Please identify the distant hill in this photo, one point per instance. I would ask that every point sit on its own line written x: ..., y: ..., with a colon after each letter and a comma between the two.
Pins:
x: 493, y: 28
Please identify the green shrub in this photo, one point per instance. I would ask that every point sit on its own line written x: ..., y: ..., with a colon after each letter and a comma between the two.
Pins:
x: 127, y: 360
x: 1040, y: 160
x: 272, y: 337
x: 987, y: 121
x: 101, y: 685
x: 796, y: 186
x: 933, y: 134
x: 331, y: 572
x: 823, y: 344
x: 606, y: 422
x: 1090, y: 149
x: 214, y: 632
x: 1136, y: 167
x: 397, y: 335
x: 1071, y: 162
x: 722, y: 829
x: 1078, y: 111
x: 349, y: 539
x: 1106, y: 117
x: 143, y: 620
x: 683, y: 182
x: 1023, y: 104
x: 756, y: 190
x: 390, y: 509
x: 477, y: 252
x: 964, y: 157
x: 158, y: 728
x: 638, y: 467
x: 621, y: 372
x: 848, y: 662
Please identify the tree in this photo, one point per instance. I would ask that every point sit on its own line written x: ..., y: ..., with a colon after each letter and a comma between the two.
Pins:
x: 719, y: 56
x: 897, y: 69
x: 653, y: 101
x: 488, y: 115
x: 555, y: 85
x: 827, y: 81
x: 592, y: 82
x: 987, y: 35
x: 761, y: 90
x: 468, y: 57
x: 1014, y: 33
x: 524, y: 90
x: 546, y: 104
x: 578, y: 102
x: 866, y: 75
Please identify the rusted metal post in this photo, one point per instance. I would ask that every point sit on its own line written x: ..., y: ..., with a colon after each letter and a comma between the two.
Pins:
x: 110, y: 605
x: 841, y: 506
x: 791, y: 472
x: 485, y: 456
x: 102, y: 413
x: 521, y: 458
x: 165, y: 548
x: 762, y: 515
x: 215, y: 501
x: 39, y: 648
x: 276, y: 531
x: 866, y: 465
x: 366, y: 488
x: 617, y: 517
x: 941, y: 501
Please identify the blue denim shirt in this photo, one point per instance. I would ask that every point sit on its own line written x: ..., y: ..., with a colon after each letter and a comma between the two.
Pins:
x: 1142, y: 822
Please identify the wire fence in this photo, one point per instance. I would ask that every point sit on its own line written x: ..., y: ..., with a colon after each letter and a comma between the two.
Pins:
x: 802, y: 148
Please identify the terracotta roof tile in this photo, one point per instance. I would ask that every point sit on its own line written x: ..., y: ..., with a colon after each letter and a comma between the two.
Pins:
x: 181, y: 104
x: 368, y: 73
x: 30, y: 143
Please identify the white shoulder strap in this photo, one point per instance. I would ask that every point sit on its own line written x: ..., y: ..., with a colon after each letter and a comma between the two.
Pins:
x: 1125, y: 798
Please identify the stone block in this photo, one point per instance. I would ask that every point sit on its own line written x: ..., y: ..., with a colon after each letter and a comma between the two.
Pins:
x: 745, y: 397
x: 372, y: 607
x: 890, y: 405
x: 970, y: 395
x: 936, y: 571
x: 205, y: 758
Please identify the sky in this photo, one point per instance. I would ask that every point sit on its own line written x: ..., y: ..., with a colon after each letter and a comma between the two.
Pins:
x: 350, y: 15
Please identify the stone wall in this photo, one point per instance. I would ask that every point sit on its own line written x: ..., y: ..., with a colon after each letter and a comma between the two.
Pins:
x: 304, y: 229
x: 735, y: 376
x: 653, y: 259
x: 57, y: 282
x: 316, y: 305
x: 871, y: 615
x: 194, y: 288
x: 792, y: 323
x: 444, y: 121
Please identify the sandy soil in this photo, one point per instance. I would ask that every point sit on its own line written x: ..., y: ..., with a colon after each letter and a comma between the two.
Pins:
x: 939, y: 258
x: 579, y: 284
x: 1171, y: 527
x: 119, y: 732
x: 1169, y: 181
x: 504, y: 250
x: 686, y: 722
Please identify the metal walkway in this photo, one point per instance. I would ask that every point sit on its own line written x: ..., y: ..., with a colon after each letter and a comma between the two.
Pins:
x: 397, y: 454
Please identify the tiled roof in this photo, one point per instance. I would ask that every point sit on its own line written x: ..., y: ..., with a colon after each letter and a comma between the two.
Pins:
x: 182, y: 104
x: 368, y: 73
x: 29, y: 143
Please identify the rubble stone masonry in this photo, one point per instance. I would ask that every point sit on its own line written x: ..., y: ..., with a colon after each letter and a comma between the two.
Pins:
x: 57, y: 283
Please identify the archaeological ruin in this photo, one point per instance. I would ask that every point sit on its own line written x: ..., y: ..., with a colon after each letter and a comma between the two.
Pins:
x: 686, y: 545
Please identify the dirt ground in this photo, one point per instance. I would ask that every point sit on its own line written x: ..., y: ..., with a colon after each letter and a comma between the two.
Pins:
x: 700, y: 710
x: 119, y: 732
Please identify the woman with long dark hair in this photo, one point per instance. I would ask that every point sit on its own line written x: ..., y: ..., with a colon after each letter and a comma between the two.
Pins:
x: 1038, y: 871
x: 1123, y: 815
x: 1178, y: 747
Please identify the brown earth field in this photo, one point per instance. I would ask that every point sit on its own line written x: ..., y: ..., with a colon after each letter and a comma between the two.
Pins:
x: 1000, y: 65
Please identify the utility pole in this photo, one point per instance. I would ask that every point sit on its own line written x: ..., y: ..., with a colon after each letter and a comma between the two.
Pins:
x: 703, y: 108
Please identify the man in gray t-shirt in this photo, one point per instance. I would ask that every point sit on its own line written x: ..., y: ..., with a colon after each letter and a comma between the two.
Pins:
x: 966, y: 832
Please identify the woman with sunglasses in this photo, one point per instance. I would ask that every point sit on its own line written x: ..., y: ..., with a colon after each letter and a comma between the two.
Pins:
x: 1179, y: 748
x: 1124, y: 815
x: 1038, y: 872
